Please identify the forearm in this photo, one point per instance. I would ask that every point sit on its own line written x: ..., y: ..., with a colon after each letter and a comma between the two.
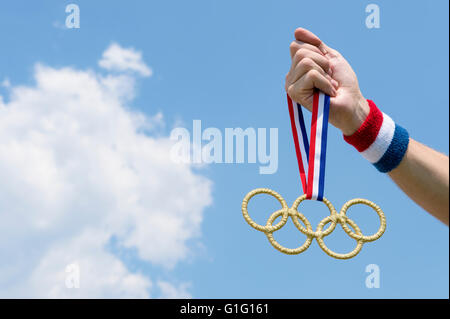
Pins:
x: 423, y: 174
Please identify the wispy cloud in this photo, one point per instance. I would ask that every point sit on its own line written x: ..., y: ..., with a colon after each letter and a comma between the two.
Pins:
x: 116, y: 58
x: 5, y: 83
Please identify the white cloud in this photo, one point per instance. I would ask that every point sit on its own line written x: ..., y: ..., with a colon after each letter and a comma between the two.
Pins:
x: 100, y: 273
x: 170, y: 291
x: 116, y: 58
x: 75, y: 170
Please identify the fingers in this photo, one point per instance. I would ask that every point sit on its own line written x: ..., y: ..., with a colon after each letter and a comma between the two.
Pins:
x: 318, y: 58
x: 305, y: 60
x: 297, y: 45
x: 304, y: 66
x: 307, y: 36
x: 306, y: 84
x: 310, y: 68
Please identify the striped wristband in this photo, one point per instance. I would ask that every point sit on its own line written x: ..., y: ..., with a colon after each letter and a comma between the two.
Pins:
x: 380, y: 140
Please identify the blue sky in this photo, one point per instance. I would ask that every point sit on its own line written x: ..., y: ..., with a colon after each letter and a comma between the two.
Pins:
x: 224, y: 62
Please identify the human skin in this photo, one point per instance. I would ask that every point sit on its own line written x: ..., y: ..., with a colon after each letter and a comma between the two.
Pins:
x: 423, y: 173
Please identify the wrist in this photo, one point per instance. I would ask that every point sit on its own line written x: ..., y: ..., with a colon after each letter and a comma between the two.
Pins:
x: 380, y: 140
x: 360, y: 111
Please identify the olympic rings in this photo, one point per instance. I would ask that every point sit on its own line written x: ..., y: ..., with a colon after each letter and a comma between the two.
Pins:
x: 334, y: 218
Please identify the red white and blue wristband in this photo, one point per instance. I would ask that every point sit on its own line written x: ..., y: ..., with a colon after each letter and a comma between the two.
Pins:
x: 311, y: 155
x: 380, y: 140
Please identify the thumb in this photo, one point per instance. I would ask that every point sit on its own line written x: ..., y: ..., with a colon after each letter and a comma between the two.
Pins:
x: 307, y: 36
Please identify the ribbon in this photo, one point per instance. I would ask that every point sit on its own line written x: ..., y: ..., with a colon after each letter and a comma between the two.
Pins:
x: 313, y: 154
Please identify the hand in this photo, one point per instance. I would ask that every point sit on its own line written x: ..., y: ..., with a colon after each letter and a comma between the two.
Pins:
x: 315, y: 65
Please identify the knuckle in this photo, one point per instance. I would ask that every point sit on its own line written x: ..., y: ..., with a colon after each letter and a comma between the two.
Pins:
x: 290, y: 91
x: 300, y: 55
x: 307, y: 63
x: 287, y: 83
x: 313, y: 74
x: 293, y: 46
x: 288, y: 77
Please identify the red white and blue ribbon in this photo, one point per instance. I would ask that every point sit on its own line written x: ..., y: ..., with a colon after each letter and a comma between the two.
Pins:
x: 311, y: 155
